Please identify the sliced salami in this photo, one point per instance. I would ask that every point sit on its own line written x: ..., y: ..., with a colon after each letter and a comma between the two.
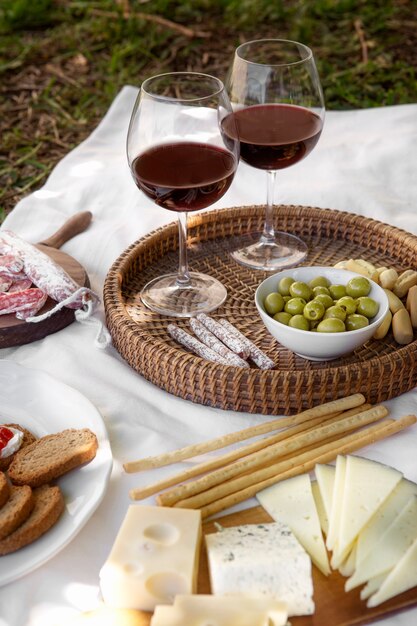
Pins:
x: 25, y: 300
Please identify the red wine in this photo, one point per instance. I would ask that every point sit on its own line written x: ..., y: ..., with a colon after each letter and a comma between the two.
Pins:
x: 184, y: 176
x: 274, y: 136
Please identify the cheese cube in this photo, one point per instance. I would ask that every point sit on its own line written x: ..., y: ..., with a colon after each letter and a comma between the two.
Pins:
x: 155, y: 556
x: 265, y: 559
x: 204, y: 610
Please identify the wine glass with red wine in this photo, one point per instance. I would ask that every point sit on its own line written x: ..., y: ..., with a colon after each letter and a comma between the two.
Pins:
x: 278, y: 114
x: 180, y: 157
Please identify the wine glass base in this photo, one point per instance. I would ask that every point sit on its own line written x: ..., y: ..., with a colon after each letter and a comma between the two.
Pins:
x: 285, y: 251
x: 165, y: 296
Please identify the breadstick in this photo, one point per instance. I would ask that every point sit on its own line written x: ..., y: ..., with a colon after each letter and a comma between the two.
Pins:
x: 190, y: 342
x: 188, y: 452
x: 212, y: 342
x: 222, y: 460
x: 267, y: 455
x: 305, y: 463
x: 260, y: 358
x: 231, y: 341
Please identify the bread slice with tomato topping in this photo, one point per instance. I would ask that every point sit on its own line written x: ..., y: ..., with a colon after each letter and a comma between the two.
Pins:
x: 49, y: 457
x: 28, y: 438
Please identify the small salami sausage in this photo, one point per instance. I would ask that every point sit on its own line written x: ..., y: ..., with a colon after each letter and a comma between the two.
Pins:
x: 215, y: 344
x: 230, y: 339
x: 190, y: 342
x: 50, y: 277
x: 261, y: 359
x: 21, y: 300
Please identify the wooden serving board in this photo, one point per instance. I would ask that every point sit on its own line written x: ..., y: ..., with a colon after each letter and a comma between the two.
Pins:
x: 334, y: 607
x: 15, y: 332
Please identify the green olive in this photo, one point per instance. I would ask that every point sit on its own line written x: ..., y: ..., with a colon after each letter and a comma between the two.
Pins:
x: 273, y: 303
x: 356, y: 321
x: 295, y: 306
x: 367, y: 306
x: 319, y: 281
x: 284, y: 285
x: 299, y: 289
x: 337, y: 291
x: 283, y: 317
x: 325, y: 300
x: 358, y: 286
x: 314, y: 310
x: 331, y: 325
x: 300, y: 322
x: 319, y: 290
x: 348, y: 304
x: 335, y: 312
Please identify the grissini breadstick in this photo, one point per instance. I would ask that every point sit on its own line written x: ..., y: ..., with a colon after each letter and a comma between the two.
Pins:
x: 190, y: 342
x: 261, y: 359
x: 188, y: 452
x: 220, y: 461
x: 228, y: 338
x: 215, y: 344
x: 270, y: 454
x: 306, y: 462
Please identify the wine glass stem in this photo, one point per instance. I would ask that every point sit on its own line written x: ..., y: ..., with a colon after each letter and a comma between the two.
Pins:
x: 183, y: 277
x: 268, y: 234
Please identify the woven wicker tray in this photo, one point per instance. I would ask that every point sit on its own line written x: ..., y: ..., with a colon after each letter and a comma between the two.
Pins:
x: 380, y: 369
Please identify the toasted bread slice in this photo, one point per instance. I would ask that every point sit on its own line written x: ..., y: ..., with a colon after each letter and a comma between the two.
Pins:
x: 16, y: 510
x: 28, y: 438
x: 51, y: 456
x: 4, y: 489
x: 49, y: 504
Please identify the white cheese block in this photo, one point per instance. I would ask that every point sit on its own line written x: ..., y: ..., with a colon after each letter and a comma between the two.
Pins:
x: 337, y: 494
x: 208, y: 610
x: 367, y: 485
x: 321, y: 512
x: 291, y: 501
x: 154, y: 557
x: 372, y: 586
x: 263, y: 559
x: 401, y: 578
x: 325, y: 475
x: 392, y: 545
x: 384, y: 516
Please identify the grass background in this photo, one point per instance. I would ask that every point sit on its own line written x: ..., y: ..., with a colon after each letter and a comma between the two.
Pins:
x: 63, y: 61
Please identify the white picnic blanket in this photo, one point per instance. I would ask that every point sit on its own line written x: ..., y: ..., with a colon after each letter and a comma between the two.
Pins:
x: 365, y: 162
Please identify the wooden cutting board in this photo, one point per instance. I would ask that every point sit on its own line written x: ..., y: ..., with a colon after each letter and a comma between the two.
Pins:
x: 334, y: 607
x: 14, y: 332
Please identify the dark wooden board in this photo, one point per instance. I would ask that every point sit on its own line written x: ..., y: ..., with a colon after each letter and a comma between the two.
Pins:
x: 14, y: 332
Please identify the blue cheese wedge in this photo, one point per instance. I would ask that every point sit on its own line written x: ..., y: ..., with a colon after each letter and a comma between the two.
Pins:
x: 263, y: 559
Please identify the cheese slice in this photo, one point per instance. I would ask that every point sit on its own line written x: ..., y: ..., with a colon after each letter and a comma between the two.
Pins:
x: 367, y: 485
x: 154, y: 557
x: 392, y: 545
x: 321, y: 512
x: 384, y: 516
x: 401, y: 578
x: 291, y: 501
x: 265, y: 559
x: 325, y: 475
x: 208, y: 610
x: 348, y: 566
x: 336, y: 502
x: 372, y: 586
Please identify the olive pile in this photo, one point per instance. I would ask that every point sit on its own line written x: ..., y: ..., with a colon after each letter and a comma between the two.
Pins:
x: 321, y: 306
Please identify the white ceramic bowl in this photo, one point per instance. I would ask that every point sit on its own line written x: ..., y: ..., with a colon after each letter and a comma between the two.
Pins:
x: 312, y: 345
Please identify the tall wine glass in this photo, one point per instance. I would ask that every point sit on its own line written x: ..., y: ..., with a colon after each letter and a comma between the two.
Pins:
x: 181, y: 159
x: 278, y: 107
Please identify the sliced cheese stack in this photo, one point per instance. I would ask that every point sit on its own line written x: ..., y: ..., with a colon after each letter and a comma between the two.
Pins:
x: 291, y: 501
x: 154, y: 558
x: 265, y: 559
x: 242, y: 610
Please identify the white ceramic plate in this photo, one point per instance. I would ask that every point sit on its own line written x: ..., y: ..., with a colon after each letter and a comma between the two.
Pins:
x: 45, y: 405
